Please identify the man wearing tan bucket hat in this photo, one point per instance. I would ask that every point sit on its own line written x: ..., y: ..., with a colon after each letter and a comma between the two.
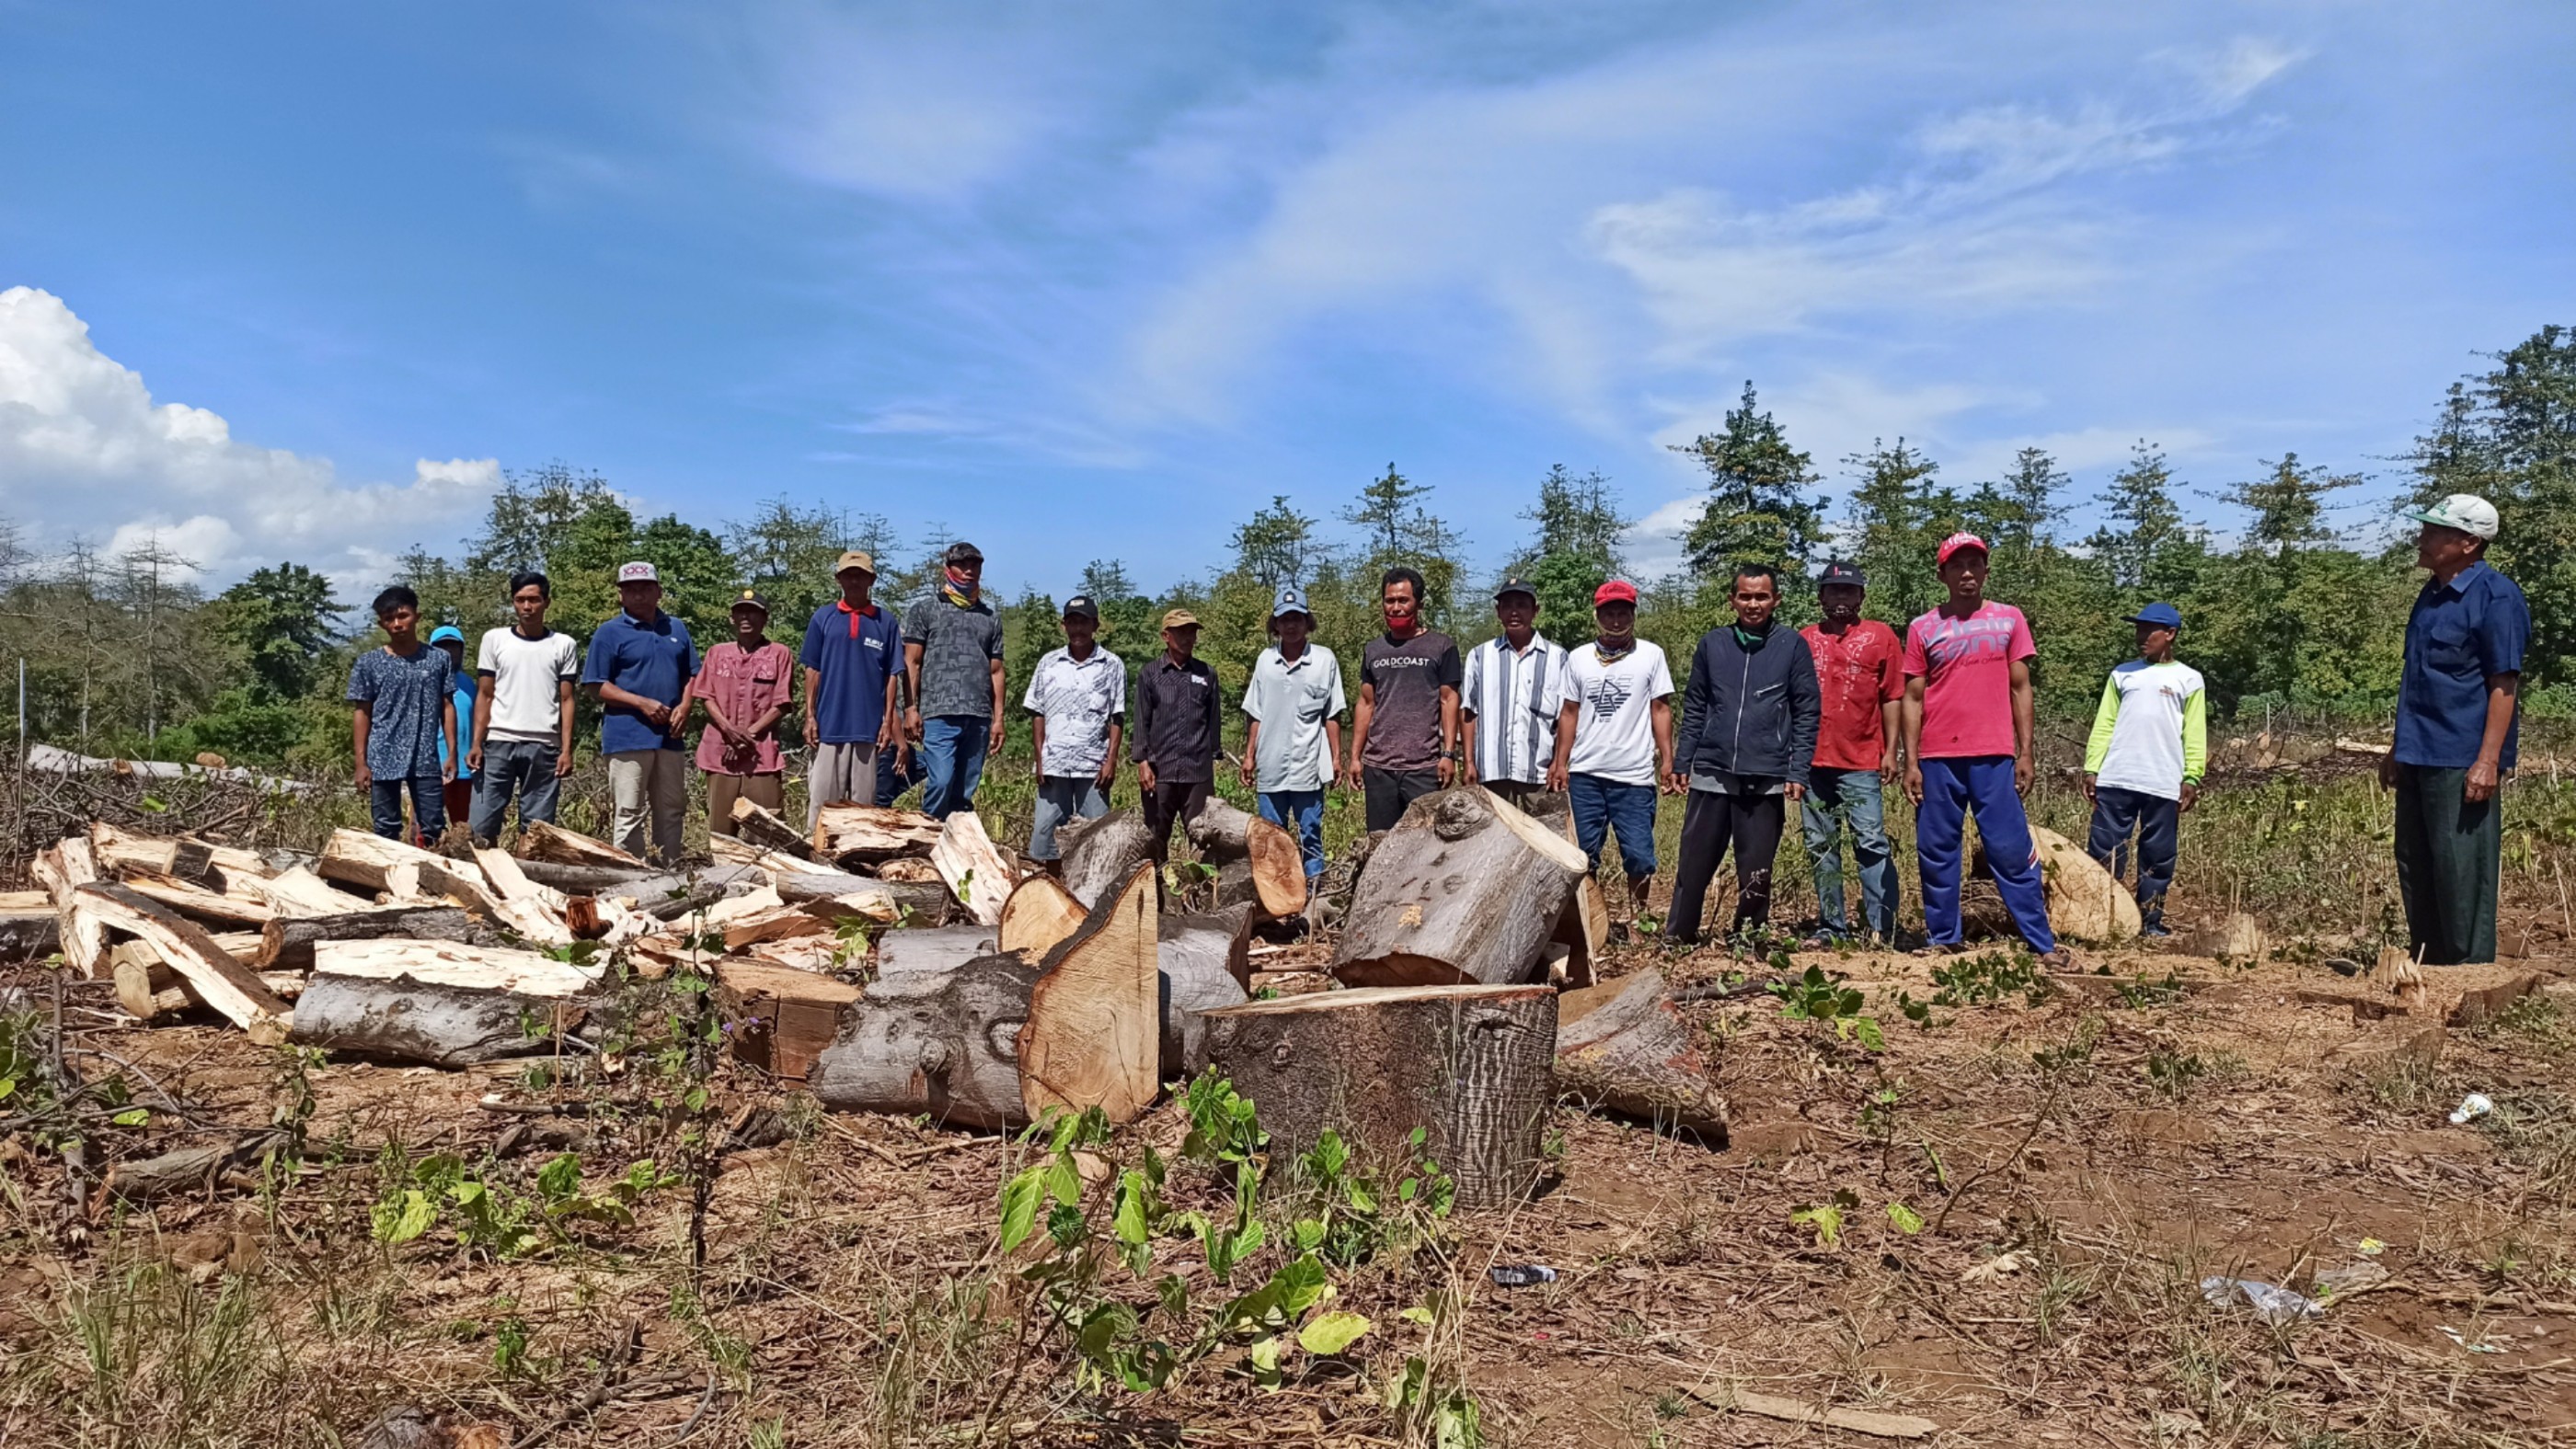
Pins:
x: 1179, y: 721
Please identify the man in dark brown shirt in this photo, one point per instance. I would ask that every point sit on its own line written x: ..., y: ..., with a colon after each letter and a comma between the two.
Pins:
x: 1178, y: 729
x: 1404, y: 744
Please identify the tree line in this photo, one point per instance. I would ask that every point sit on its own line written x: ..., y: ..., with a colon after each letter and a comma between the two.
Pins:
x: 2302, y: 607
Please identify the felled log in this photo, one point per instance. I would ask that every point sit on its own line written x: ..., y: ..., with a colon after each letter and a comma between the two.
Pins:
x: 1039, y: 913
x: 1094, y: 1033
x: 190, y: 1169
x: 976, y: 871
x: 297, y: 891
x: 1469, y: 1065
x: 534, y: 922
x: 362, y: 859
x: 30, y: 933
x: 1097, y: 855
x: 916, y: 870
x: 933, y: 1043
x: 1464, y: 889
x: 853, y: 834
x: 782, y: 1018
x: 1204, y: 966
x: 439, y: 1003
x: 1623, y: 1047
x: 937, y: 949
x: 1274, y: 873
x: 288, y: 945
x: 149, y: 990
x: 200, y: 902
x: 591, y: 880
x: 878, y: 902
x: 509, y: 881
x: 735, y: 851
x: 62, y: 869
x: 553, y: 843
x: 122, y: 852
x: 220, y: 981
x: 760, y: 825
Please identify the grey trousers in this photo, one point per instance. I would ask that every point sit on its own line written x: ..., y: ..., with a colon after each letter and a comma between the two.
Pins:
x: 650, y: 784
x: 1062, y: 798
x: 840, y: 773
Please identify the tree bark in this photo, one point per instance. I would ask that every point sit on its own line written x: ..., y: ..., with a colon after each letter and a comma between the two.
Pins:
x: 591, y: 880
x: 878, y: 902
x: 1469, y: 1065
x: 1623, y: 1047
x: 1464, y: 889
x: 442, y: 1004
x: 288, y: 945
x: 849, y: 834
x: 760, y: 825
x: 120, y: 852
x: 1274, y: 874
x: 941, y: 1044
x: 62, y: 869
x: 1204, y: 966
x: 553, y: 843
x: 1094, y: 1033
x: 782, y: 1018
x: 30, y: 935
x: 976, y: 871
x: 1099, y: 854
x: 937, y: 950
x: 220, y: 981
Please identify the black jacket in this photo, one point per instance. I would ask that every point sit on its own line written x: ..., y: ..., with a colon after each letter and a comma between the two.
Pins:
x: 1750, y: 711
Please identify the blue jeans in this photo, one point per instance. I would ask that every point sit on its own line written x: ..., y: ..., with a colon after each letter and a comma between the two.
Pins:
x: 1306, y: 809
x: 891, y: 782
x: 428, y: 805
x: 952, y: 761
x: 1062, y: 798
x: 1840, y: 799
x: 2159, y: 825
x: 524, y: 766
x: 1983, y: 784
x: 1602, y: 804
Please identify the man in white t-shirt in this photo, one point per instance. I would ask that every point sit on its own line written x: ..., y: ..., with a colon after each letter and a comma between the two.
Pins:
x: 2143, y: 764
x: 1614, y: 736
x: 523, y: 715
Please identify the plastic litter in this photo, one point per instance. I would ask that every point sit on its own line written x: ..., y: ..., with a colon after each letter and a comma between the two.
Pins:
x: 2272, y: 1303
x: 2370, y: 1247
x: 2479, y: 1346
x: 2472, y: 1107
x: 1521, y: 1275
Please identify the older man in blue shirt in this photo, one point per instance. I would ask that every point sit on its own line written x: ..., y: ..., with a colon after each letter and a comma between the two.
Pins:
x: 640, y: 664
x: 2456, y: 733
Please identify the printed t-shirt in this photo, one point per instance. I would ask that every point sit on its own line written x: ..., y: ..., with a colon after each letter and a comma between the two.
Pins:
x: 403, y: 696
x: 745, y: 685
x: 1857, y: 671
x: 1291, y: 700
x: 1405, y: 679
x: 959, y: 643
x: 2151, y: 733
x: 654, y: 658
x: 1614, y: 731
x: 854, y: 653
x: 1966, y: 668
x: 1078, y: 697
x: 527, y: 683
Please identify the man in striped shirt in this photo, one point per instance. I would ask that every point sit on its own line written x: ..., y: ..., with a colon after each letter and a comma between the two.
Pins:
x: 1509, y: 699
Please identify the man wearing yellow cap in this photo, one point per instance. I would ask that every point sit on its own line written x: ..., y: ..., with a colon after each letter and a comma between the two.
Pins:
x: 852, y: 649
x: 1178, y: 725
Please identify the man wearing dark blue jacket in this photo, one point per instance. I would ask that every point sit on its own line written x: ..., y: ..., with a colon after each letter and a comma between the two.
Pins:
x: 1749, y: 717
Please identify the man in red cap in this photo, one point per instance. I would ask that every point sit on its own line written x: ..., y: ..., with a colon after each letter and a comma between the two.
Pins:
x: 1968, y: 708
x: 1614, y: 737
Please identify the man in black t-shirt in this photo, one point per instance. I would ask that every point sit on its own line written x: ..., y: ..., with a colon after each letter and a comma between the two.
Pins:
x: 1404, y: 743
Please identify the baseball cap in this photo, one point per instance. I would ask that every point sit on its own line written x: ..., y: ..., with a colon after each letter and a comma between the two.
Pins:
x: 638, y: 572
x: 2466, y: 512
x: 753, y: 598
x: 1515, y: 585
x: 856, y: 558
x: 1958, y: 541
x: 445, y: 632
x: 1081, y: 607
x: 1838, y: 572
x: 1180, y: 619
x: 1617, y: 591
x: 1291, y: 600
x: 2163, y: 616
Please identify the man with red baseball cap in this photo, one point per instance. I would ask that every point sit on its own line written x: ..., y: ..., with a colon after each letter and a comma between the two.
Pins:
x: 1967, y: 718
x: 1614, y: 736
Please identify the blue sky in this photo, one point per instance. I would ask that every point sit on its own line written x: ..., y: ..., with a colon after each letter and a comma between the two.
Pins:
x: 1096, y: 280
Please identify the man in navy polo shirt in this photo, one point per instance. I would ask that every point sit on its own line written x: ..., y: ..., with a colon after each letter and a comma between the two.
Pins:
x: 852, y: 649
x: 640, y: 663
x: 2457, y: 705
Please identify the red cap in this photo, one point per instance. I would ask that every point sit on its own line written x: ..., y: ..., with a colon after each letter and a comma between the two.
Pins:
x: 1617, y: 591
x: 1956, y: 542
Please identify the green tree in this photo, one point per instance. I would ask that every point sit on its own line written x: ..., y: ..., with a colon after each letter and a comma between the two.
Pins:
x: 1895, y: 516
x: 789, y: 554
x: 1758, y: 509
x: 283, y: 619
x: 2145, y: 521
x: 700, y: 579
x: 1128, y: 624
x: 1578, y: 543
x: 1398, y: 531
x: 1276, y: 546
x: 2288, y: 504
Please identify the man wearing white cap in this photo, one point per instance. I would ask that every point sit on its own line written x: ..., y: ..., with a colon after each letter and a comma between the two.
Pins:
x: 638, y: 668
x: 2457, y: 707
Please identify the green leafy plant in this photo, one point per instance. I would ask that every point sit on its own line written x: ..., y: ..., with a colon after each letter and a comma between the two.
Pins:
x: 1988, y: 978
x: 1818, y: 998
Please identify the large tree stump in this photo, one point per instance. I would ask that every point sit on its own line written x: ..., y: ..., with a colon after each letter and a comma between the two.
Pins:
x: 2084, y: 902
x: 850, y: 834
x: 1205, y: 964
x: 1274, y: 872
x: 1623, y: 1047
x: 1464, y: 889
x: 1040, y: 913
x: 1471, y: 1065
x: 1094, y: 1033
x: 975, y: 869
x: 1097, y: 855
x: 442, y: 1004
x: 288, y: 945
x: 940, y: 1044
x: 220, y: 981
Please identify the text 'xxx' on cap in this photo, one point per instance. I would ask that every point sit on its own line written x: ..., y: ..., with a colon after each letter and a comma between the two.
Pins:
x: 1081, y: 607
x: 638, y: 572
x: 1515, y: 585
x: 1839, y: 572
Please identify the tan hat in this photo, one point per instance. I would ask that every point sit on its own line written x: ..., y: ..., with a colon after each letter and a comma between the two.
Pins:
x: 857, y: 559
x: 1180, y: 619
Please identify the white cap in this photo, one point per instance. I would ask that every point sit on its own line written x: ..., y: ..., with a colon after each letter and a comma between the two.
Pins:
x: 641, y: 572
x: 2466, y: 512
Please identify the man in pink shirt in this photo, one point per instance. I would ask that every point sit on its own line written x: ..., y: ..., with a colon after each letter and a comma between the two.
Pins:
x: 744, y: 683
x: 1860, y: 673
x: 1968, y: 708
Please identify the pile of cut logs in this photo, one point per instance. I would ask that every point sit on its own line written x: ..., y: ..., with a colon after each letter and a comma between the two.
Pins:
x: 893, y: 963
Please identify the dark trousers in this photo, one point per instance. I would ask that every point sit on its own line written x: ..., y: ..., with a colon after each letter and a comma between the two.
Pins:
x: 2449, y: 854
x: 429, y: 808
x: 891, y: 781
x: 2158, y: 822
x: 1982, y: 785
x: 1168, y: 803
x: 1712, y: 821
x: 1389, y: 792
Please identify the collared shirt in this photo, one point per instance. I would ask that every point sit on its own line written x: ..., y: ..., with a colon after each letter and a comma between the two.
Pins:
x: 959, y: 643
x: 745, y: 684
x: 853, y: 654
x: 1079, y: 698
x: 654, y: 659
x: 1857, y: 671
x: 1291, y: 701
x: 1179, y: 720
x: 2460, y: 632
x: 2151, y: 732
x: 1513, y: 696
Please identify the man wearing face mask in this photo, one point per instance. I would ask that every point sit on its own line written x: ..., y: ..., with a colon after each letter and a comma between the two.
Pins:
x: 1747, y: 740
x: 952, y: 654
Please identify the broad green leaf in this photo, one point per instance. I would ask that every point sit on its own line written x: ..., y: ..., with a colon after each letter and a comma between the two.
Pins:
x: 131, y: 1117
x: 1865, y: 1028
x: 1064, y: 1180
x: 399, y: 1223
x: 1907, y: 1220
x: 1416, y: 1314
x: 1329, y: 1333
x: 1020, y: 1197
x: 1129, y: 1224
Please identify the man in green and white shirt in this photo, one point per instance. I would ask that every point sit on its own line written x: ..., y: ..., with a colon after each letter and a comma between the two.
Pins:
x: 2143, y: 765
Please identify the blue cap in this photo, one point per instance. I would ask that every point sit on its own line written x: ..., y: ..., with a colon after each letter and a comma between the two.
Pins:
x: 2163, y: 616
x: 1292, y: 600
x: 445, y: 632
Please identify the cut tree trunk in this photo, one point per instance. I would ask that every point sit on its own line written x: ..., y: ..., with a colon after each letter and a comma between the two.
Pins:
x: 782, y: 1018
x: 976, y: 871
x: 1623, y: 1047
x: 442, y: 1004
x: 1469, y: 1065
x: 1464, y: 889
x: 760, y: 825
x: 941, y: 1044
x: 299, y: 892
x: 119, y: 852
x: 1040, y: 913
x: 288, y: 945
x: 220, y: 981
x: 201, y: 902
x: 911, y: 869
x: 509, y: 882
x: 1275, y: 872
x: 936, y: 949
x: 29, y: 935
x: 1204, y: 966
x: 591, y: 880
x: 1094, y: 1033
x: 877, y: 902
x: 1584, y: 931
x: 149, y: 990
x: 364, y: 860
x: 541, y: 841
x: 734, y: 851
x: 1097, y: 855
x: 62, y: 869
x: 850, y: 834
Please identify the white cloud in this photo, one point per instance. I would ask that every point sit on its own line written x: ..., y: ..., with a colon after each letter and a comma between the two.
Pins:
x: 84, y: 449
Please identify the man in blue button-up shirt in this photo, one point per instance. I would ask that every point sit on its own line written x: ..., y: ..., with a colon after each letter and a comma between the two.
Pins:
x: 639, y: 664
x: 2456, y: 705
